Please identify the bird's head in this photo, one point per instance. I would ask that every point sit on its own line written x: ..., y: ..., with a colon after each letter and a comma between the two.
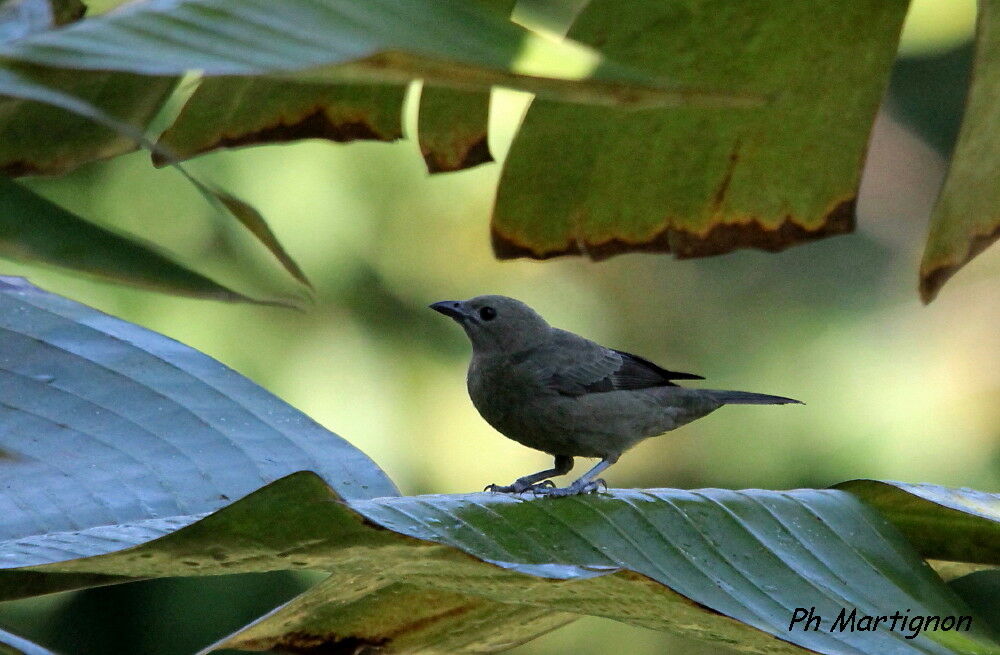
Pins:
x: 496, y: 324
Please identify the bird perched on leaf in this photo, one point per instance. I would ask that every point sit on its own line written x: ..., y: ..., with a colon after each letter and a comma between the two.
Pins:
x: 557, y: 392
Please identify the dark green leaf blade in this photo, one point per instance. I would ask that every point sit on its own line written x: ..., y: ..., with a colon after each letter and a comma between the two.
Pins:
x: 981, y: 591
x: 697, y: 181
x: 966, y: 220
x: 254, y: 222
x: 958, y: 525
x: 719, y: 565
x: 35, y: 229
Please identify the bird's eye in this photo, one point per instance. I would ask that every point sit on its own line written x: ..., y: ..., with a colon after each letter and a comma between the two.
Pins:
x: 487, y: 313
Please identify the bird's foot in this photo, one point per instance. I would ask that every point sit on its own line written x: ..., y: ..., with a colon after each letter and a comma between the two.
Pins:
x: 589, y: 487
x: 520, y: 486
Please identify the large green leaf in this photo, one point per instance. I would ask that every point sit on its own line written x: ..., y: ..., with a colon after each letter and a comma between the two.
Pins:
x: 448, y: 41
x: 966, y: 218
x: 226, y: 112
x: 35, y: 229
x: 698, y: 181
x: 684, y: 561
x: 956, y: 525
x: 104, y: 423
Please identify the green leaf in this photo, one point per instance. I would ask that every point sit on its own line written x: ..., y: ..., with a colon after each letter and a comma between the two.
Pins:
x: 42, y: 139
x: 104, y: 423
x: 226, y: 112
x: 39, y: 138
x: 11, y: 644
x: 16, y: 83
x: 452, y: 129
x: 253, y: 221
x: 448, y: 42
x: 35, y: 229
x: 981, y: 591
x: 966, y: 218
x: 452, y: 124
x: 698, y: 181
x: 685, y: 561
x: 396, y: 616
x: 957, y: 525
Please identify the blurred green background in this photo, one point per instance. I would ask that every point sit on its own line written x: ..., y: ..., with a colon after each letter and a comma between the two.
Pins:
x: 893, y: 389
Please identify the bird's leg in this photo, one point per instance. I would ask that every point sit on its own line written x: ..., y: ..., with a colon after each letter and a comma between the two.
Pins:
x: 536, y: 481
x: 585, y: 484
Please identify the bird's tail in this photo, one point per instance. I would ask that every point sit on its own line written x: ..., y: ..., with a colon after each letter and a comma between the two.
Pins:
x: 748, y: 398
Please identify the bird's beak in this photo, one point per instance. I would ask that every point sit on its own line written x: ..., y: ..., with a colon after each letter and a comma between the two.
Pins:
x: 453, y: 308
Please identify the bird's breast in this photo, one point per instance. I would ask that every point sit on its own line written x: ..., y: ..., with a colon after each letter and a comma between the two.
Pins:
x: 509, y: 398
x: 496, y: 389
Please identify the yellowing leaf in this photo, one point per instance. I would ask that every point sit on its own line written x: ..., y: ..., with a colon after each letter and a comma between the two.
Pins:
x: 700, y: 181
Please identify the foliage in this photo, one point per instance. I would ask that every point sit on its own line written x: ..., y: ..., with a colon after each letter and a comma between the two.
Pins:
x: 687, y: 126
x: 760, y: 114
x: 965, y: 220
x: 190, y: 441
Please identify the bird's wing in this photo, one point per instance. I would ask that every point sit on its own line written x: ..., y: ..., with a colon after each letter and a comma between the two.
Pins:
x: 639, y: 373
x: 573, y: 366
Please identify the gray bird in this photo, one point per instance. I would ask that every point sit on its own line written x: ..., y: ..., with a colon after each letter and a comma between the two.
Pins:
x: 557, y: 392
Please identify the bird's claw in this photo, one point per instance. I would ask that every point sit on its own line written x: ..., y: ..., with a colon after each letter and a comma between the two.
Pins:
x: 520, y: 487
x: 590, y: 487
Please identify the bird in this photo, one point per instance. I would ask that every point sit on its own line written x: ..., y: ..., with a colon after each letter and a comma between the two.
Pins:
x: 565, y: 395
